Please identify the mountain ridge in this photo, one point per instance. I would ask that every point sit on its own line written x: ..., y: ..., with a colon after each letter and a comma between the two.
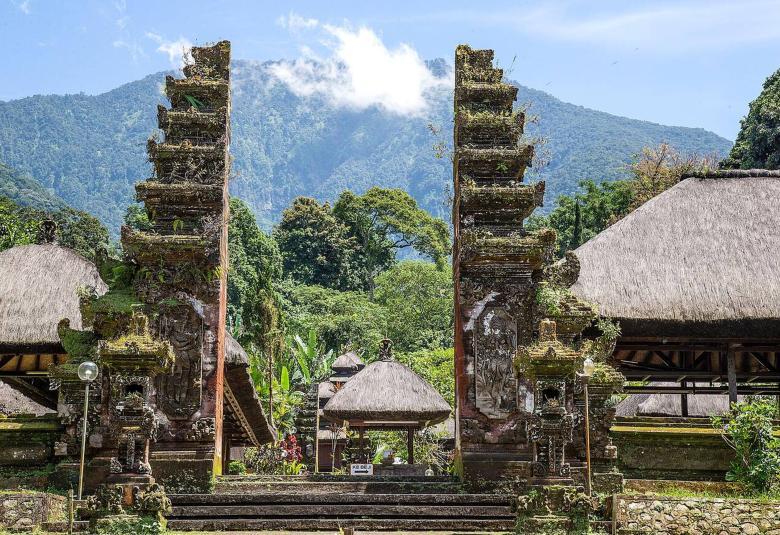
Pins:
x: 90, y: 149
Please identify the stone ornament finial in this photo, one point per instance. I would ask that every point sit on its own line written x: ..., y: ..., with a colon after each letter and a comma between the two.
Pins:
x: 47, y: 232
x: 386, y: 349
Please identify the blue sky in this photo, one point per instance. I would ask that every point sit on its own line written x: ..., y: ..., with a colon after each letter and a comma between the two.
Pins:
x: 689, y: 63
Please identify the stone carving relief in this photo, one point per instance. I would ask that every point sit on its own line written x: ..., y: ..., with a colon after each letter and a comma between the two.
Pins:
x: 179, y: 393
x: 495, y: 342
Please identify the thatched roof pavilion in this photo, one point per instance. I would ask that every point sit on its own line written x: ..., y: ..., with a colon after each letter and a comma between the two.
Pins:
x: 705, y: 253
x: 38, y: 287
x: 693, y: 277
x: 387, y: 395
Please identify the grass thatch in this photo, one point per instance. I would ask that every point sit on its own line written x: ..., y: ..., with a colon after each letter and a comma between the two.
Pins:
x: 348, y: 362
x: 671, y: 404
x: 705, y: 250
x: 14, y: 402
x: 38, y: 288
x: 387, y: 390
x: 243, y: 393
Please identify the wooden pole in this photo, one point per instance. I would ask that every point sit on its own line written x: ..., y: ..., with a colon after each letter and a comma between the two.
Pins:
x: 683, y: 402
x: 83, y: 439
x: 410, y: 445
x: 317, y: 438
x: 360, y: 445
x: 732, y: 375
x: 70, y: 511
x: 587, y: 431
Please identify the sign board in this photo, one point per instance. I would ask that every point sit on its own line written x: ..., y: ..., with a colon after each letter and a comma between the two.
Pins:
x: 361, y: 469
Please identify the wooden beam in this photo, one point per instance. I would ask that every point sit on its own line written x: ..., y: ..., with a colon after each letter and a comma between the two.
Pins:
x: 732, y: 375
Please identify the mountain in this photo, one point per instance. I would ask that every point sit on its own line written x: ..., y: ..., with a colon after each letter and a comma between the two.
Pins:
x: 26, y: 191
x: 90, y: 150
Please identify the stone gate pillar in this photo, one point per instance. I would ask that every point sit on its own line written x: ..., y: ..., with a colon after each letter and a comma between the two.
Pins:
x: 182, y: 263
x: 496, y: 266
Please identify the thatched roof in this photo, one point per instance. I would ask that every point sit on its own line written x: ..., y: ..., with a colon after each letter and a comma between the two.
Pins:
x: 671, y: 404
x: 706, y: 250
x: 348, y: 362
x: 38, y: 285
x: 387, y: 392
x: 14, y: 402
x: 241, y: 396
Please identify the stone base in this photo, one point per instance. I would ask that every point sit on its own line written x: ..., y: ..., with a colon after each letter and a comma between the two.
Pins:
x: 130, y: 482
x: 400, y: 470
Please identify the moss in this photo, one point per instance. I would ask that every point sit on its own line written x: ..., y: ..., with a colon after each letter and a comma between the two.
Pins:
x: 129, y: 524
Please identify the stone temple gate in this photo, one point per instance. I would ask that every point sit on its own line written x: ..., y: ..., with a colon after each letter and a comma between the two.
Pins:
x: 519, y: 402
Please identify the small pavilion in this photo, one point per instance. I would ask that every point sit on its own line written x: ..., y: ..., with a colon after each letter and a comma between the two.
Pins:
x: 386, y: 395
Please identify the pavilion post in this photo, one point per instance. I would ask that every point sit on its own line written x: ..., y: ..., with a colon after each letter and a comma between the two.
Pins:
x: 732, y: 375
x: 683, y: 401
x: 361, y: 457
x: 410, y: 445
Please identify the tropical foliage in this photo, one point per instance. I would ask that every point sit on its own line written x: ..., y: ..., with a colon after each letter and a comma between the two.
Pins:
x: 579, y: 217
x: 748, y: 430
x: 758, y: 142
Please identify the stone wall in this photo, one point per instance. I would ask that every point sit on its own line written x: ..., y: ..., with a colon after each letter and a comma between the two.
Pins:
x: 645, y: 445
x: 26, y: 510
x: 662, y: 515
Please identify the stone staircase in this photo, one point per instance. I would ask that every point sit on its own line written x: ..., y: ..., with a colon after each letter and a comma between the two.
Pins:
x: 328, y: 503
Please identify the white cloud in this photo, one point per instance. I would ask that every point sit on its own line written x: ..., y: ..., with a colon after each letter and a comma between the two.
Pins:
x: 293, y: 21
x: 24, y: 7
x: 358, y: 71
x: 177, y: 50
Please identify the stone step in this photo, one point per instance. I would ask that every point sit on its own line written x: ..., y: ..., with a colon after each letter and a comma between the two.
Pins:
x: 327, y: 477
x: 332, y: 524
x: 79, y: 526
x: 345, y: 510
x: 336, y: 487
x: 269, y: 498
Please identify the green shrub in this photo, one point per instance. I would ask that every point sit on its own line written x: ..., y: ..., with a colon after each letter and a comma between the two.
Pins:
x: 236, y: 468
x: 748, y: 431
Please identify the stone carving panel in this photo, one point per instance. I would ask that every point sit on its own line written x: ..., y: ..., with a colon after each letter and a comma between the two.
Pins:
x: 495, y: 342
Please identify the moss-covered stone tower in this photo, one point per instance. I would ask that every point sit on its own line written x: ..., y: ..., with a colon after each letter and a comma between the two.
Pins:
x: 182, y: 260
x: 519, y: 402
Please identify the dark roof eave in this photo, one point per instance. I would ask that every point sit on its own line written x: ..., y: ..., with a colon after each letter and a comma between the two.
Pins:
x: 31, y: 348
x: 747, y: 328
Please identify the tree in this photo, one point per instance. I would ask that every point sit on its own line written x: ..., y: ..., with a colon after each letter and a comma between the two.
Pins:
x: 417, y: 299
x: 137, y: 218
x: 758, y: 142
x: 82, y: 232
x: 77, y: 230
x: 384, y: 221
x: 599, y: 206
x: 657, y: 169
x: 578, y: 218
x: 255, y: 267
x: 748, y: 430
x: 15, y: 227
x: 340, y: 319
x: 437, y: 366
x: 315, y: 246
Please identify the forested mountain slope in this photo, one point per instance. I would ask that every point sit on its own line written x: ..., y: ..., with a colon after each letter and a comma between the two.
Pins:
x: 90, y: 150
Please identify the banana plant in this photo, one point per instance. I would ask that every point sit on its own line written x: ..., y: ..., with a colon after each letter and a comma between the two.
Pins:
x: 313, y: 362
